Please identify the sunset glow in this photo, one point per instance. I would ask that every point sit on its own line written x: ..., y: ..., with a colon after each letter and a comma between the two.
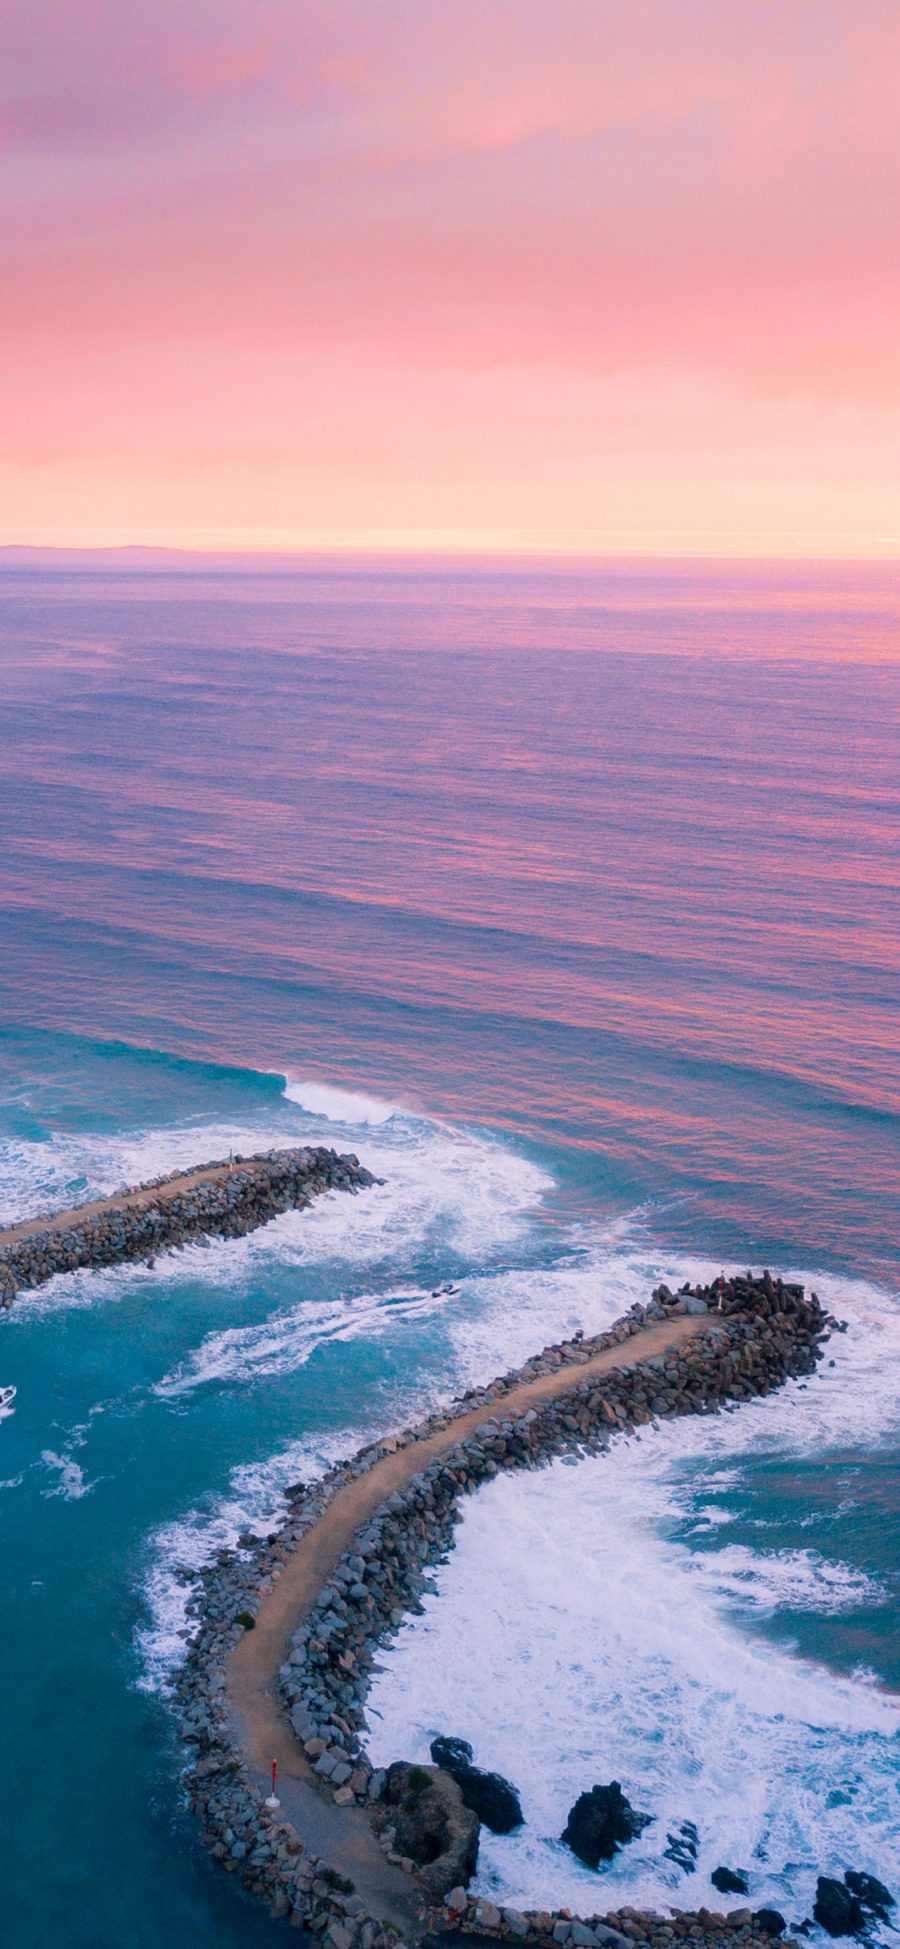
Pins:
x: 490, y: 275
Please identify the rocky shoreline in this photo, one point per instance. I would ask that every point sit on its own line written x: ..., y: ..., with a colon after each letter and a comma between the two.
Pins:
x: 748, y: 1335
x: 225, y: 1199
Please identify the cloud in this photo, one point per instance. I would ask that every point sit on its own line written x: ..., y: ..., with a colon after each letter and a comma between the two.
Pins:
x: 502, y: 203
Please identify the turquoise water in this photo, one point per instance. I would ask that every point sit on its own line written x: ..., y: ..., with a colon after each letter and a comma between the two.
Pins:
x: 568, y: 900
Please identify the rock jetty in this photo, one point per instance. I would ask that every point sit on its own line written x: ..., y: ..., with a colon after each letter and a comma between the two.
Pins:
x: 684, y: 1353
x: 223, y: 1200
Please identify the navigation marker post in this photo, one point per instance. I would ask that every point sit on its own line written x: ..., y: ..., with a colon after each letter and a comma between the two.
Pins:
x: 272, y: 1800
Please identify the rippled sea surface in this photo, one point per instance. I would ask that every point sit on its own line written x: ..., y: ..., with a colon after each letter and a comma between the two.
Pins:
x: 567, y: 897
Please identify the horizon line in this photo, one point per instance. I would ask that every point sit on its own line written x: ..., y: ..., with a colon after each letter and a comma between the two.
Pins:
x: 449, y: 546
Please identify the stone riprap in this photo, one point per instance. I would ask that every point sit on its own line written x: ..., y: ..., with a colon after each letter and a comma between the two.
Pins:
x: 224, y: 1200
x: 750, y: 1335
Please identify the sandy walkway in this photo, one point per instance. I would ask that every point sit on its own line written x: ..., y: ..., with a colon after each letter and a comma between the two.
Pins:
x: 343, y: 1836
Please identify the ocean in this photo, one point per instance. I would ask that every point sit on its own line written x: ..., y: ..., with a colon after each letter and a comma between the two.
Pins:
x: 566, y: 895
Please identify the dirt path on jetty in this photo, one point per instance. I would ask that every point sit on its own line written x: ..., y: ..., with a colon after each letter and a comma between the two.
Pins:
x: 212, y: 1200
x: 344, y: 1836
x: 151, y: 1194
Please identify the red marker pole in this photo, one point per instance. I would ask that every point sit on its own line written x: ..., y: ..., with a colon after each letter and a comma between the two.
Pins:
x: 274, y: 1775
x: 273, y: 1800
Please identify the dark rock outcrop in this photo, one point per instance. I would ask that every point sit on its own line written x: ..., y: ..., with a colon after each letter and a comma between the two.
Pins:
x: 836, y: 1909
x: 451, y: 1753
x: 770, y: 1921
x: 601, y: 1822
x: 870, y: 1893
x: 730, y: 1881
x: 433, y: 1827
x: 490, y: 1797
x: 682, y: 1847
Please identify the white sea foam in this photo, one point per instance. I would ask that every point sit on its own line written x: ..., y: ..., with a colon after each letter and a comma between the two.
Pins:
x: 67, y: 1477
x: 711, y: 1518
x: 253, y: 1501
x: 514, y: 1311
x: 72, y: 1168
x: 32, y: 1179
x: 285, y: 1342
x: 63, y: 1476
x: 601, y: 1654
x: 446, y: 1190
x: 766, y: 1581
x: 345, y: 1107
x: 493, y: 1319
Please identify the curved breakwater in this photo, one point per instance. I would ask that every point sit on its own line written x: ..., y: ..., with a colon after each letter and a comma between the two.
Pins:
x: 287, y: 1630
x: 225, y: 1199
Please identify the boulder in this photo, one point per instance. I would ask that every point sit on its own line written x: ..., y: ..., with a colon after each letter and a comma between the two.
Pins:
x: 769, y: 1921
x: 836, y: 1909
x: 492, y: 1798
x: 870, y: 1893
x: 730, y: 1881
x: 433, y: 1826
x: 601, y: 1822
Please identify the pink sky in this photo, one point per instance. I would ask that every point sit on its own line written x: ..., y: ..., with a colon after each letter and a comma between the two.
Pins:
x: 517, y: 273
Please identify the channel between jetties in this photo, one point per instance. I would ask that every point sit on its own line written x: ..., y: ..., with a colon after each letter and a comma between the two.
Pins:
x: 288, y: 1627
x: 224, y: 1199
